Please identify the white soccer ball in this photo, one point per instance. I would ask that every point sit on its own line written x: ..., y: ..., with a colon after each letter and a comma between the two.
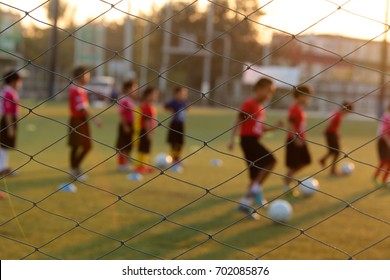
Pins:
x: 309, y: 186
x: 347, y: 168
x: 280, y: 210
x: 163, y: 160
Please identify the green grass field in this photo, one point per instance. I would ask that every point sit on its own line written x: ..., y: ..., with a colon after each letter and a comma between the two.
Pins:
x: 191, y: 215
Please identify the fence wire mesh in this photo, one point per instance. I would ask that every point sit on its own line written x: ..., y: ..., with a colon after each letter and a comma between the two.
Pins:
x: 189, y: 215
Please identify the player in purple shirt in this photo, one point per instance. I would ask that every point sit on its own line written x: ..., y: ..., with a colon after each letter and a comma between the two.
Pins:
x: 177, y: 106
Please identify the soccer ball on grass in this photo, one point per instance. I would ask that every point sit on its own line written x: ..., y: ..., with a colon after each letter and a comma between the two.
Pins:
x: 163, y: 160
x: 280, y: 210
x: 309, y: 186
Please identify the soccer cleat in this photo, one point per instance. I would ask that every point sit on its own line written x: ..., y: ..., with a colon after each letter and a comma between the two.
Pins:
x: 244, y: 208
x: 248, y: 211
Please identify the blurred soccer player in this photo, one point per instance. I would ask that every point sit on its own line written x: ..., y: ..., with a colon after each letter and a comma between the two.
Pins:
x: 332, y: 135
x: 383, y: 150
x: 251, y: 123
x: 79, y: 134
x: 177, y: 106
x: 147, y: 124
x: 297, y: 152
x: 9, y: 108
x: 126, y: 126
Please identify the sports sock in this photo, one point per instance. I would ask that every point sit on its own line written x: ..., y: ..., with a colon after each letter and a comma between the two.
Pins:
x: 256, y: 191
x: 176, y: 154
x: 255, y: 188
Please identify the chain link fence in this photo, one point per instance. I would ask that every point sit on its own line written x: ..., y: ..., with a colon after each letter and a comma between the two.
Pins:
x: 191, y: 215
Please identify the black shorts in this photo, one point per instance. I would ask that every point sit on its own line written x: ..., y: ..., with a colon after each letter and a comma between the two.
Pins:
x: 332, y: 141
x: 383, y: 150
x: 144, y: 142
x: 256, y: 153
x: 7, y: 141
x: 297, y: 156
x: 81, y: 135
x: 125, y: 139
x: 176, y: 133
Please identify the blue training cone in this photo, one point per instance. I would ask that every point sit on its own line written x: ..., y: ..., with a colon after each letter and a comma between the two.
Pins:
x: 216, y: 162
x: 134, y: 177
x: 67, y: 188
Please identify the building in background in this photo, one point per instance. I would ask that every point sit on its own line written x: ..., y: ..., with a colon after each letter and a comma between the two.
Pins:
x: 337, y: 67
x: 10, y: 40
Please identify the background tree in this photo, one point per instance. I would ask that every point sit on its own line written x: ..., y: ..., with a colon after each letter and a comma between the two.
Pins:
x: 231, y: 26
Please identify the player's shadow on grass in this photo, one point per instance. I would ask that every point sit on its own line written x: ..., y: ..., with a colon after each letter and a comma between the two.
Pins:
x: 180, y: 238
x: 136, y: 231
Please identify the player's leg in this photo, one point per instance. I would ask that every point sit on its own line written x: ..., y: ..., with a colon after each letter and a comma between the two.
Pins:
x: 333, y: 168
x: 7, y: 142
x: 176, y: 140
x: 386, y: 173
x: 143, y: 154
x: 256, y: 185
x: 380, y: 168
x: 386, y: 167
x: 247, y: 200
x: 328, y: 154
x: 293, y: 164
x: 176, y: 151
x: 123, y: 160
x: 122, y: 151
x: 73, y: 158
x: 382, y: 154
x: 81, y: 154
x: 334, y: 145
x: 263, y: 162
x: 124, y: 146
x: 297, y: 158
x: 85, y: 143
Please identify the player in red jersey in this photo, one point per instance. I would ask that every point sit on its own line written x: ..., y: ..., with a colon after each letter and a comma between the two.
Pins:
x: 333, y: 138
x: 126, y: 126
x: 383, y: 146
x: 297, y: 152
x: 79, y: 134
x: 148, y: 122
x: 252, y: 125
x: 9, y: 109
